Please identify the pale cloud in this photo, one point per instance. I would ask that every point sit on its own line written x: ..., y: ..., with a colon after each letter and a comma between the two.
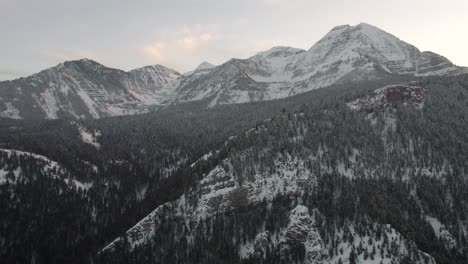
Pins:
x: 206, y: 36
x: 192, y: 41
x: 183, y: 46
x: 188, y: 42
x: 154, y: 50
x: 191, y: 37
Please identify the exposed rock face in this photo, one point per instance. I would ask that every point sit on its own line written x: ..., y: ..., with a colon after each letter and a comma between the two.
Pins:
x: 302, y: 232
x: 219, y: 192
x: 430, y: 63
x: 262, y: 244
x: 390, y: 96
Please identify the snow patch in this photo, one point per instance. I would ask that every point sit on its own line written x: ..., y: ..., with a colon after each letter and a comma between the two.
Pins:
x: 442, y: 232
x: 10, y: 112
x: 87, y: 136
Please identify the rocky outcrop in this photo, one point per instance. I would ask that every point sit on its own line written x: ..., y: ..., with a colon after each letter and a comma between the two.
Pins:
x: 301, y: 231
x: 390, y: 96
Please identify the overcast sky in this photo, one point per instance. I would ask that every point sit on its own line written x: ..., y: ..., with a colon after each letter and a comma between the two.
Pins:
x: 37, y: 34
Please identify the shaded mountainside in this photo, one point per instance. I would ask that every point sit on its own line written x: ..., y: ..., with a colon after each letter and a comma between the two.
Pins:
x: 330, y: 183
x: 34, y: 192
x: 326, y: 175
x: 131, y: 164
x: 85, y: 89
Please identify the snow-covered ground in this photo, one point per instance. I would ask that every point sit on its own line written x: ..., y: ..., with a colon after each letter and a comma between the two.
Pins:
x: 87, y: 136
x: 378, y: 244
x: 49, y: 167
x: 10, y: 112
x: 441, y: 232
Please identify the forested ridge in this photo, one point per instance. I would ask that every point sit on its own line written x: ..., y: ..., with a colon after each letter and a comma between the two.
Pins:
x: 393, y: 166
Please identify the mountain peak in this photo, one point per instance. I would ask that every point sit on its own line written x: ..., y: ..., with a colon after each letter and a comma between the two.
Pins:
x: 204, y: 66
x: 83, y: 60
x: 364, y: 24
x: 155, y: 68
x: 86, y: 63
x: 86, y: 60
x: 364, y: 28
x: 340, y: 27
x: 364, y: 40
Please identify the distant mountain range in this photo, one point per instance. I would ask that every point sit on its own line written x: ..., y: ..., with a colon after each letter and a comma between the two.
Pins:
x: 86, y: 89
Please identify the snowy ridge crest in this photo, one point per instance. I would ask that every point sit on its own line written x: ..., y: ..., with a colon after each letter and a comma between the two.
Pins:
x: 87, y: 89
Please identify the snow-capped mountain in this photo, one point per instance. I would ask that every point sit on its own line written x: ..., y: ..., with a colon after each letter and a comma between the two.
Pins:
x: 86, y: 89
x: 153, y: 85
x: 346, y: 53
x: 204, y: 67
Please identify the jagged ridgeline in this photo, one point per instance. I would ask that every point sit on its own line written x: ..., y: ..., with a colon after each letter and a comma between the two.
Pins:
x: 361, y: 177
x: 86, y: 89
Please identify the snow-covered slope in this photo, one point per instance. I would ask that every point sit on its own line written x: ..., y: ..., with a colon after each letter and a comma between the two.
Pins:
x: 346, y: 53
x: 86, y: 89
x: 204, y: 67
x: 153, y: 85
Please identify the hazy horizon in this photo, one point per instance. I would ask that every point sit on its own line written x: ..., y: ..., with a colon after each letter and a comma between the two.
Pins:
x: 182, y: 34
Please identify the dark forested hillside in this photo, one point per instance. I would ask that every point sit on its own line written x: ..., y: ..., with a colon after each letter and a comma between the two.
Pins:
x: 243, y: 177
x: 329, y: 183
